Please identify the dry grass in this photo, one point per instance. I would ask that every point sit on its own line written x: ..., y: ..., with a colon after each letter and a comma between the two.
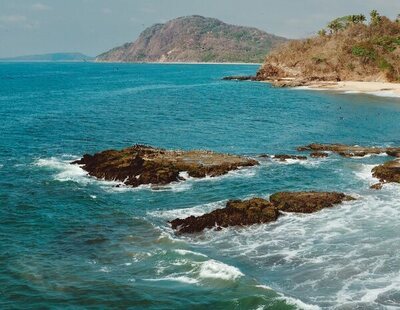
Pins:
x: 360, y: 52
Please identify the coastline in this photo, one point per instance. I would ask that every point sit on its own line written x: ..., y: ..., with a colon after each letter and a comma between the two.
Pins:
x: 383, y: 89
x: 181, y: 63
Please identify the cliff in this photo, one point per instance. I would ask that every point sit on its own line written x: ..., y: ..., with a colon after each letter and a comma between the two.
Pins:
x: 195, y: 39
x: 350, y: 49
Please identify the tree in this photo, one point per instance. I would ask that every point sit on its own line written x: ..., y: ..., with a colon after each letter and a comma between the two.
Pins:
x: 335, y: 26
x: 322, y: 33
x: 355, y: 19
x: 375, y: 17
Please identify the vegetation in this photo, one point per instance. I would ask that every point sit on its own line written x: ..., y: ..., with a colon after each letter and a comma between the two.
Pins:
x: 349, y: 48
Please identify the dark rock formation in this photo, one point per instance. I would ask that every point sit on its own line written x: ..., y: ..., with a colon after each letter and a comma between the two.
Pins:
x: 285, y: 157
x: 257, y: 210
x: 388, y: 172
x: 236, y: 213
x: 140, y: 164
x: 319, y: 154
x: 307, y: 202
x: 239, y: 78
x: 349, y: 150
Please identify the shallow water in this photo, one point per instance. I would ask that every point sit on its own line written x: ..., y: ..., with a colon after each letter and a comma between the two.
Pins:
x: 67, y: 239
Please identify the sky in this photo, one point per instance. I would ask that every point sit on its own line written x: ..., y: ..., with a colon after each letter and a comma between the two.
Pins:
x: 95, y: 26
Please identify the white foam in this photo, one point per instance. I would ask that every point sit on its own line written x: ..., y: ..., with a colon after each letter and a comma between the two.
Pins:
x: 187, y: 252
x: 385, y: 93
x: 182, y: 279
x: 216, y: 270
x: 298, y: 303
x: 183, y: 213
x: 364, y: 172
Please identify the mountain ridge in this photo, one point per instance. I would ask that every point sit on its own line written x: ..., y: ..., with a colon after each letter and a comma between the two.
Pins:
x: 195, y: 39
x: 51, y: 57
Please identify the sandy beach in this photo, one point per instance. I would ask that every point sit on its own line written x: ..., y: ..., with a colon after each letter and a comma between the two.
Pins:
x: 374, y: 88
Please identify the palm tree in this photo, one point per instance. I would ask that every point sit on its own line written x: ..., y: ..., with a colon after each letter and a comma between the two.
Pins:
x: 335, y: 25
x: 375, y: 17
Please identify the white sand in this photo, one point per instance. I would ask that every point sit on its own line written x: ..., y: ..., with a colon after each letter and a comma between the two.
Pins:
x: 374, y: 88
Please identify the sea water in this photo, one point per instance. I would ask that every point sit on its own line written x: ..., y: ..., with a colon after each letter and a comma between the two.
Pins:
x: 68, y: 240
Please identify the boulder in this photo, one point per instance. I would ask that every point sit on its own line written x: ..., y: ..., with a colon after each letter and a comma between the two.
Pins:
x: 142, y: 164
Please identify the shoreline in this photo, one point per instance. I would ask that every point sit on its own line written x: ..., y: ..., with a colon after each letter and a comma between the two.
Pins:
x: 181, y: 63
x: 382, y: 89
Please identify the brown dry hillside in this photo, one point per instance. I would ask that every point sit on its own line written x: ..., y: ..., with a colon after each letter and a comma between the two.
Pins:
x: 350, y: 49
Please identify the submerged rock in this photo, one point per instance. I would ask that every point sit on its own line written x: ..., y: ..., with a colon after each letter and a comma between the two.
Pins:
x: 257, y: 210
x: 319, y: 154
x: 285, y: 157
x: 240, y: 78
x: 377, y: 186
x: 388, y: 172
x: 350, y: 150
x: 141, y: 164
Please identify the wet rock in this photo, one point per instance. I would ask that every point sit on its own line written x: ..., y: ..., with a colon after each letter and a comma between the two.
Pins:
x: 236, y: 213
x: 240, y: 78
x: 257, y: 210
x: 388, y: 172
x: 393, y: 153
x: 285, y: 157
x: 307, y: 202
x: 377, y: 186
x: 319, y: 155
x: 142, y: 164
x: 351, y: 150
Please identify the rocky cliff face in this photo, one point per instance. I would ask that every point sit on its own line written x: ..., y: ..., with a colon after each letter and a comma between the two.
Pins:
x: 195, y: 39
x: 351, y: 50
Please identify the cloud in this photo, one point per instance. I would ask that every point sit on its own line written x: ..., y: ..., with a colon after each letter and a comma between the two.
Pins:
x: 17, y: 21
x: 12, y: 19
x: 40, y: 7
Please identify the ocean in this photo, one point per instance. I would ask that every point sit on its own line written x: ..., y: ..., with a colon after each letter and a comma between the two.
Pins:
x: 70, y: 241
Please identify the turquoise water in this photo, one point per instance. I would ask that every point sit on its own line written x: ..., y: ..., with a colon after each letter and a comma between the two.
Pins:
x: 69, y: 240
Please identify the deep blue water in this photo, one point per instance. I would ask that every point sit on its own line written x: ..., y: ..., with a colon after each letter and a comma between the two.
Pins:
x: 69, y: 240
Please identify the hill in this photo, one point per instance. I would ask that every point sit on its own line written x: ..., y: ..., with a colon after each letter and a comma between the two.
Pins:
x: 60, y: 57
x: 195, y: 39
x: 350, y: 49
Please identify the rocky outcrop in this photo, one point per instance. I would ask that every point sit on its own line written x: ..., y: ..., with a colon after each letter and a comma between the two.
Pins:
x: 285, y: 157
x: 257, y: 210
x: 195, y: 39
x: 236, y: 213
x: 319, y: 154
x: 307, y: 202
x: 240, y: 78
x: 141, y: 164
x: 388, y: 172
x: 350, y: 150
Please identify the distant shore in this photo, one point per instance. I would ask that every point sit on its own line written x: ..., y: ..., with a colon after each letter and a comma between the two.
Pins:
x: 182, y: 63
x: 383, y: 89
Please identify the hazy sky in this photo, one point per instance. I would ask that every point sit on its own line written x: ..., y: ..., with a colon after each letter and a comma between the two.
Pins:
x: 94, y: 26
